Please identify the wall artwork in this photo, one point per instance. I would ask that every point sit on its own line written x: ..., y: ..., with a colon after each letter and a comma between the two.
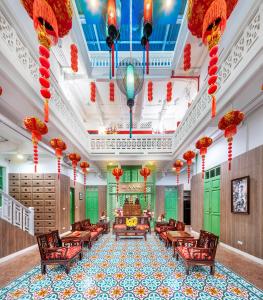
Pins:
x: 240, y: 195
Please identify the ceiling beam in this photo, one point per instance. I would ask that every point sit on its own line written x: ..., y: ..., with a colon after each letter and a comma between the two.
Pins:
x: 96, y: 35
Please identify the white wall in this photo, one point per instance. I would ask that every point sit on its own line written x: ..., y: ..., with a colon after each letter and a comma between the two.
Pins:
x: 170, y: 180
x: 249, y: 136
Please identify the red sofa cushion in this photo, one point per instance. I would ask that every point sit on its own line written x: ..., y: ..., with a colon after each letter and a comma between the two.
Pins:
x: 99, y: 230
x: 63, y: 253
x: 93, y: 234
x: 192, y: 253
x: 120, y: 226
x: 142, y: 227
x: 72, y: 251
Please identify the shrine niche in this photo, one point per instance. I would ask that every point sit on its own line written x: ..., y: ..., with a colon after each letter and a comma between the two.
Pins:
x: 131, y: 208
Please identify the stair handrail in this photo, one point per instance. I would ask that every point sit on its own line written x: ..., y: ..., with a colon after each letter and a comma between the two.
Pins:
x: 16, y: 213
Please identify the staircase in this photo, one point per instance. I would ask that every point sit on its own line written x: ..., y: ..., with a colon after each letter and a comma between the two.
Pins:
x: 17, y: 214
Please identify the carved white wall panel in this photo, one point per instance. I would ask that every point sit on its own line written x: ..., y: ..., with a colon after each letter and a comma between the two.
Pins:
x: 232, y: 63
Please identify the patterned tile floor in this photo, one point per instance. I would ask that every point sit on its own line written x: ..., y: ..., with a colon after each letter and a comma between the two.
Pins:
x: 130, y: 269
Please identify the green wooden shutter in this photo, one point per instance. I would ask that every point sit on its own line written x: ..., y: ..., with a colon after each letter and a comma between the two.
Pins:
x: 171, y: 203
x: 72, y: 205
x: 92, y: 204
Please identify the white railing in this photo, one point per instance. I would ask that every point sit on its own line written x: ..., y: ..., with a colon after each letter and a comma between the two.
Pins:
x: 138, y: 144
x: 17, y: 214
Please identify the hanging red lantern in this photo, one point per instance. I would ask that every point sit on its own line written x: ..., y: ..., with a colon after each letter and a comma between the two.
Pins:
x: 75, y: 158
x: 169, y: 88
x: 52, y: 19
x: 59, y: 146
x: 178, y: 166
x: 189, y: 156
x: 187, y: 57
x: 145, y: 172
x: 37, y: 129
x: 229, y: 123
x: 150, y: 91
x: 202, y: 145
x: 112, y: 91
x: 1, y: 91
x: 117, y: 173
x: 74, y: 57
x: 84, y: 166
x: 92, y: 91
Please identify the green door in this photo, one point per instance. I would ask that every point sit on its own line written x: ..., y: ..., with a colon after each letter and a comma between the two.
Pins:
x: 72, y: 205
x: 92, y: 205
x: 171, y: 203
x: 212, y: 201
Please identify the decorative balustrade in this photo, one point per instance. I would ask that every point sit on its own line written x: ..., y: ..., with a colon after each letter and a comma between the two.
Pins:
x: 157, y: 60
x: 139, y: 144
x: 17, y: 214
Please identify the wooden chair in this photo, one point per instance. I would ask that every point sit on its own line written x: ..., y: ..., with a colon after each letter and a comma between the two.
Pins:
x: 200, y: 251
x: 53, y: 252
x: 165, y: 226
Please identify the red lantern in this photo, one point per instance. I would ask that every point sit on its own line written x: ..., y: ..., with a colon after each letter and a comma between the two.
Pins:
x: 145, y: 172
x: 150, y: 91
x: 52, y: 19
x: 112, y: 88
x: 75, y: 158
x: 202, y: 144
x: 117, y: 173
x: 189, y: 156
x: 59, y: 146
x: 1, y: 91
x: 84, y: 166
x: 92, y: 91
x: 169, y: 91
x: 37, y: 129
x: 74, y: 57
x: 187, y: 57
x: 178, y: 166
x: 229, y: 123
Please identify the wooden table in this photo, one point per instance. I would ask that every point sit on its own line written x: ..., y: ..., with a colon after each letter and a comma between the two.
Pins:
x: 174, y: 236
x: 129, y: 233
x: 78, y: 235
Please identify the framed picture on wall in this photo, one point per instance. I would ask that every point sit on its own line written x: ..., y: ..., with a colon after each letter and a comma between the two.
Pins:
x: 80, y: 196
x: 240, y: 195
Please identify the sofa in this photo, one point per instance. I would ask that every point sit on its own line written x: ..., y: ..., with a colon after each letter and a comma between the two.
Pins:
x: 165, y: 226
x: 95, y: 229
x: 142, y: 224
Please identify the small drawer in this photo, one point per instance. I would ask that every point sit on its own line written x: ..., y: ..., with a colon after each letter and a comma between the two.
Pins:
x: 50, y: 209
x: 26, y: 196
x: 49, y: 182
x: 13, y: 176
x: 38, y: 189
x: 50, y: 202
x: 14, y: 189
x: 15, y: 195
x: 39, y: 209
x: 40, y: 223
x: 50, y: 189
x: 37, y: 182
x: 50, y: 223
x: 26, y: 176
x: 26, y: 189
x: 27, y: 203
x: 39, y: 230
x: 50, y: 216
x: 14, y: 182
x: 49, y: 229
x: 25, y: 182
x: 38, y: 176
x: 49, y: 196
x: 50, y: 176
x: 38, y: 202
x: 38, y: 196
x: 39, y: 216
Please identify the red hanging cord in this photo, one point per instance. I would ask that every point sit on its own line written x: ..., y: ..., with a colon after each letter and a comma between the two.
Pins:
x: 147, y: 57
x: 112, y: 59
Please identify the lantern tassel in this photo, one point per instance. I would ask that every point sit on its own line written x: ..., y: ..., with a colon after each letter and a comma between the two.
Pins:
x: 35, y: 150
x: 110, y: 64
x: 46, y: 110
x: 143, y: 60
x: 229, y: 153
x: 112, y: 57
x: 130, y: 123
x: 147, y: 58
x: 75, y: 175
x: 117, y: 58
x: 59, y: 165
x: 117, y: 188
x: 177, y: 179
x: 213, y: 111
x: 203, y: 166
x: 85, y: 181
x: 188, y: 173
